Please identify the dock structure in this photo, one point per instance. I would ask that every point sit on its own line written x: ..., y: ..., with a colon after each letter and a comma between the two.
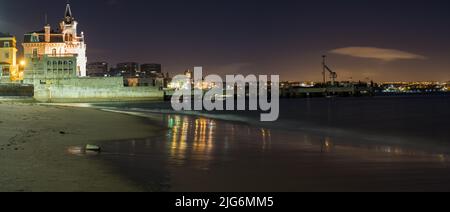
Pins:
x: 304, y: 92
x: 331, y: 88
x: 299, y: 92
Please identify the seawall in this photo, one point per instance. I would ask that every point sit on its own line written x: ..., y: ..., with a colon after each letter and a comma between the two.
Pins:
x: 16, y: 90
x: 92, y: 90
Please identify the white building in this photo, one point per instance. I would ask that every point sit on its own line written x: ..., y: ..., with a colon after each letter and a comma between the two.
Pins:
x: 58, y: 43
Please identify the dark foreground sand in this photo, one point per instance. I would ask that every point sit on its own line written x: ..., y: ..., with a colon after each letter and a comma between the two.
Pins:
x: 34, y: 143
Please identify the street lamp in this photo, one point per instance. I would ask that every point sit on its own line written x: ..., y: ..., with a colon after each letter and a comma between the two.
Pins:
x: 21, y: 69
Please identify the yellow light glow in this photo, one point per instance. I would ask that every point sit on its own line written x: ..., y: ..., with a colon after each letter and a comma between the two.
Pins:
x: 22, y: 63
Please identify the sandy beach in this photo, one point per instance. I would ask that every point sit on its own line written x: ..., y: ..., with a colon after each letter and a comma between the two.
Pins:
x: 35, y: 140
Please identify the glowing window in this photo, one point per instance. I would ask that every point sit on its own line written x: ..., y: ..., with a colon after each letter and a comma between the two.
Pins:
x: 68, y: 37
x: 34, y: 38
x: 5, y: 71
x: 35, y: 52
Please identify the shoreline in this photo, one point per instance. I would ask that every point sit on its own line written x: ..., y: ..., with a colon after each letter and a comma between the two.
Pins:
x: 139, y: 154
x: 367, y: 136
x: 35, y: 143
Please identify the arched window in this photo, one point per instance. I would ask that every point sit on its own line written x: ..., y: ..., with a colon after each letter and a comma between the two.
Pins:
x: 54, y: 52
x: 68, y: 37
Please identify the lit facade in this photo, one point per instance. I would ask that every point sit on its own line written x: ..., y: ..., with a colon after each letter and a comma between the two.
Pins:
x: 8, y: 57
x: 50, y: 68
x: 64, y: 42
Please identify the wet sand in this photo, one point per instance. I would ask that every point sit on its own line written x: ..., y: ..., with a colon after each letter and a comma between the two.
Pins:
x: 34, y: 143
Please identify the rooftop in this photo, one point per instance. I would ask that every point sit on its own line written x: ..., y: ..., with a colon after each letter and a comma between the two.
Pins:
x: 5, y: 35
x: 54, y: 38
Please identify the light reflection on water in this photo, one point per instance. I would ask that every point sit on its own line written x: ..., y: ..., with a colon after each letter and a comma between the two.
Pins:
x: 230, y: 156
x: 317, y: 145
x: 203, y: 139
x: 186, y: 136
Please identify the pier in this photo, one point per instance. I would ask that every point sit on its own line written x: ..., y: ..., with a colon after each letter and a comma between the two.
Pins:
x: 299, y: 92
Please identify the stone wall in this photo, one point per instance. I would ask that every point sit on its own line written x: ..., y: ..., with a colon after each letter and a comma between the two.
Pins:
x: 17, y: 90
x: 99, y: 89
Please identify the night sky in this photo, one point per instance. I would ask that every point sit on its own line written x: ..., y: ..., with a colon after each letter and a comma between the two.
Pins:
x: 402, y: 40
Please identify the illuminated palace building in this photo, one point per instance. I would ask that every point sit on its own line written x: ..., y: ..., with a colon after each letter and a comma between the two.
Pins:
x: 63, y: 48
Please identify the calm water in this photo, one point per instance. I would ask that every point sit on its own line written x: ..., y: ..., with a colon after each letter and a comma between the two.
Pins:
x: 377, y: 144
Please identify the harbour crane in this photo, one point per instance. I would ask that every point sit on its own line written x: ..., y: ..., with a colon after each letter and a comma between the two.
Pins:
x: 333, y: 75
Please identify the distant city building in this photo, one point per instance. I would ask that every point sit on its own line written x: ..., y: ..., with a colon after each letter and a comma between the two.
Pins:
x: 189, y: 74
x: 183, y: 83
x: 8, y: 54
x: 167, y: 80
x: 128, y: 69
x: 97, y: 69
x: 288, y: 84
x: 143, y: 82
x: 151, y: 70
x: 412, y: 87
x: 151, y: 75
x: 64, y: 42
